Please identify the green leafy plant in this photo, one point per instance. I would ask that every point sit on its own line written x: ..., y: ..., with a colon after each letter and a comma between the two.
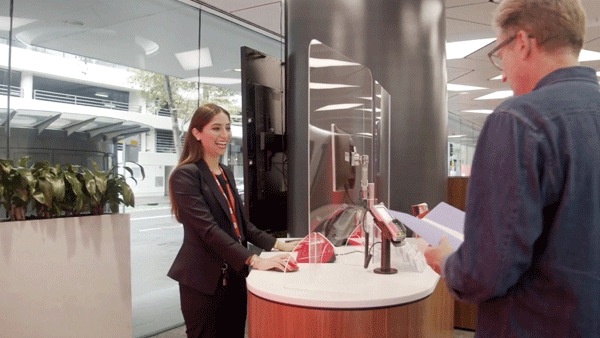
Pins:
x: 62, y: 190
x: 109, y: 188
x: 73, y: 203
x: 17, y: 187
x: 49, y: 189
x: 118, y: 191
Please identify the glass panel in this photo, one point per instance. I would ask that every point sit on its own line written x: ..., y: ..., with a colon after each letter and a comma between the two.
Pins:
x: 99, y: 68
x: 462, y: 140
x: 381, y: 163
x: 341, y: 127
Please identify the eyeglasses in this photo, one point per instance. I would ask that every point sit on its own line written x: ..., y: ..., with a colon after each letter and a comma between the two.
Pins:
x: 495, y: 59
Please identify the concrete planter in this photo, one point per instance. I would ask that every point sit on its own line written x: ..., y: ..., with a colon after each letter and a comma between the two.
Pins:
x: 66, y: 277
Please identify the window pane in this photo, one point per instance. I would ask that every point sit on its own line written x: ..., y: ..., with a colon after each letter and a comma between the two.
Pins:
x: 100, y: 69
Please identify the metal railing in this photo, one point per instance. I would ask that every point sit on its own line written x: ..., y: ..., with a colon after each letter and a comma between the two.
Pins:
x: 14, y: 91
x: 163, y: 112
x: 45, y: 95
x: 164, y: 141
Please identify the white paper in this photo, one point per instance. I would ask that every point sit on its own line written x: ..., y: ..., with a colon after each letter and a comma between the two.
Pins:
x: 442, y: 221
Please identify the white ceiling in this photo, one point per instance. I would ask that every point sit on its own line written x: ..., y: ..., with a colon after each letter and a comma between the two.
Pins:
x: 471, y: 19
x: 108, y: 25
x: 263, y: 13
x: 465, y: 20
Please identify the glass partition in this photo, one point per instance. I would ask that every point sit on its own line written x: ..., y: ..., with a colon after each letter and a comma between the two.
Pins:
x: 341, y: 144
x: 381, y: 146
x: 89, y: 78
x: 461, y: 145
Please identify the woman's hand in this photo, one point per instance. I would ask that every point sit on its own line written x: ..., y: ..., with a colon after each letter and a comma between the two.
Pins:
x: 285, y: 246
x: 282, y: 262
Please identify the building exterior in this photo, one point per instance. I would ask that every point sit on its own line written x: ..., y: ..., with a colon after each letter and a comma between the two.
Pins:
x: 101, y: 102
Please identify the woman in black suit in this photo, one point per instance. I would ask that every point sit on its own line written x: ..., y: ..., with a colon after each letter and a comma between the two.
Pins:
x: 213, y: 260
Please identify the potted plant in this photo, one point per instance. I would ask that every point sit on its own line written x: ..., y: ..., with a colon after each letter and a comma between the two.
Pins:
x: 62, y: 190
x: 52, y: 257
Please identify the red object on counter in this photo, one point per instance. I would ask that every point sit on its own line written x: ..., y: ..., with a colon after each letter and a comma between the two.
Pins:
x: 315, y: 248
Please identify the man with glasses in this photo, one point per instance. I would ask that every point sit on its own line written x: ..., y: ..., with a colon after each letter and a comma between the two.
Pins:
x: 531, y: 252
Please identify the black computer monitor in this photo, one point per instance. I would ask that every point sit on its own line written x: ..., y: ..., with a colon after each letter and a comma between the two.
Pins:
x: 263, y: 141
x: 343, y: 151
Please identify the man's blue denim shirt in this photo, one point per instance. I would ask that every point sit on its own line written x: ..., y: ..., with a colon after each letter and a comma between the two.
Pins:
x: 531, y: 255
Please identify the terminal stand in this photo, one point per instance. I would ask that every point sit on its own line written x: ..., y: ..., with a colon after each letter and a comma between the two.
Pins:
x: 385, y: 258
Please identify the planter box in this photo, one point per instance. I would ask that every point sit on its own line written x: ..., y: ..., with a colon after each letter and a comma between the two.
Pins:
x: 66, y: 277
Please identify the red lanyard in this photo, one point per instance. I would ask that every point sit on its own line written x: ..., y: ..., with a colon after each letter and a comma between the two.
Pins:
x: 230, y: 201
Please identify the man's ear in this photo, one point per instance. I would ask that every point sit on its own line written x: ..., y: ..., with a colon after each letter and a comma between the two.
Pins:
x: 524, y: 44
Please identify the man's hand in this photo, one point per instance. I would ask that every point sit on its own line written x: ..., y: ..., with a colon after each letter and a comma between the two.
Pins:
x: 435, y: 254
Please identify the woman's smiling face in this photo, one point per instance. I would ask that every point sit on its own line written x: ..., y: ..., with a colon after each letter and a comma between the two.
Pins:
x: 215, y: 135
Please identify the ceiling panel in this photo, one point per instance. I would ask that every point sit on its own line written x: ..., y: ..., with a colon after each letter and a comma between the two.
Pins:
x: 268, y: 16
x: 263, y: 13
x: 232, y: 6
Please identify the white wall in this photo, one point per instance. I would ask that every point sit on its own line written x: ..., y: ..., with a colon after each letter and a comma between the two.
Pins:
x: 66, y: 277
x: 155, y: 165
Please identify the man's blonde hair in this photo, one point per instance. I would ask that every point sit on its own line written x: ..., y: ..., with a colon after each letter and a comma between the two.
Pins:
x: 554, y: 24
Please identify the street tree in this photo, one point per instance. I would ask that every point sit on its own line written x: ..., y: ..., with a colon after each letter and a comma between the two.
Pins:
x: 180, y: 98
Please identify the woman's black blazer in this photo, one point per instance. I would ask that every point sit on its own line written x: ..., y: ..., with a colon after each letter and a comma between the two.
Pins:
x: 208, y: 235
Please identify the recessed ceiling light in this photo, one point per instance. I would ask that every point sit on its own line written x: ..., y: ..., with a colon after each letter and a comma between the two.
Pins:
x: 377, y: 110
x: 316, y: 85
x: 501, y: 94
x: 340, y: 106
x: 460, y: 49
x: 194, y: 59
x: 459, y: 88
x: 477, y: 111
x: 321, y: 63
x: 588, y: 55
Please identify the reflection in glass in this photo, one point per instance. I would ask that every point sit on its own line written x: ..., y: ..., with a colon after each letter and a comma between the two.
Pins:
x: 341, y: 127
x: 461, y: 145
x: 381, y: 144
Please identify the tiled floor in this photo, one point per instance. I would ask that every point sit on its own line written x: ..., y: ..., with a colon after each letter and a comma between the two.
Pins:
x: 179, y: 332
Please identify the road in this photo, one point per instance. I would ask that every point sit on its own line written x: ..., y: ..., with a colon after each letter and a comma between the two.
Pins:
x: 155, y: 240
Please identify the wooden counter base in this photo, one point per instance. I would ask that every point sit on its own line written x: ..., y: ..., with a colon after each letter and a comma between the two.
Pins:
x: 429, y: 317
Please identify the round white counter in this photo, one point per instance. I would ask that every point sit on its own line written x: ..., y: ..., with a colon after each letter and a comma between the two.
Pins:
x: 344, y: 284
x: 343, y: 299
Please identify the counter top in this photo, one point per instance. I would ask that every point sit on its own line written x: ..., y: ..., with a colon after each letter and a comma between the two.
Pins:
x: 344, y: 284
